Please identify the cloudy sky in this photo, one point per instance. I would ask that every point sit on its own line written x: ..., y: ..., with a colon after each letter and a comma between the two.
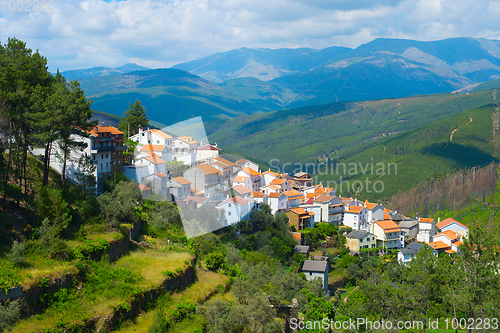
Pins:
x: 80, y: 34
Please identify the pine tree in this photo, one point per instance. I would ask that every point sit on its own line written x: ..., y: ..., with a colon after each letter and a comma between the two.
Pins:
x: 135, y: 118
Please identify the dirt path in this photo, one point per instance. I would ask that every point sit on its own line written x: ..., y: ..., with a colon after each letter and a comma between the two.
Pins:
x: 347, y: 296
x: 452, y: 132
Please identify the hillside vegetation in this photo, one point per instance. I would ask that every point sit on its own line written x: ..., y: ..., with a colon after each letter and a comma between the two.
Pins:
x: 312, y: 134
x: 460, y: 142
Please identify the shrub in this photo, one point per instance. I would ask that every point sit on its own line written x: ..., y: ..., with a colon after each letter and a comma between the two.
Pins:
x: 16, y: 254
x: 214, y: 261
x: 9, y: 314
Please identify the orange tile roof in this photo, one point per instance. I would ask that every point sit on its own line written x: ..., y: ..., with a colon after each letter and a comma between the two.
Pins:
x: 188, y: 139
x: 242, y: 189
x: 237, y: 200
x: 181, y: 180
x: 208, y: 147
x: 143, y: 187
x: 439, y: 245
x: 298, y: 210
x: 162, y: 134
x: 153, y: 148
x: 449, y: 251
x: 199, y: 200
x: 250, y: 171
x: 153, y: 159
x: 292, y: 194
x: 457, y: 243
x: 370, y: 205
x: 196, y: 192
x: 354, y: 209
x: 160, y: 174
x: 239, y: 179
x: 386, y: 214
x: 277, y: 181
x: 275, y: 195
x: 425, y: 219
x: 324, y: 198
x: 271, y: 173
x: 449, y: 233
x: 324, y: 189
x: 388, y: 225
x: 207, y: 169
x: 105, y: 129
x: 257, y: 194
x: 447, y: 222
x: 224, y: 161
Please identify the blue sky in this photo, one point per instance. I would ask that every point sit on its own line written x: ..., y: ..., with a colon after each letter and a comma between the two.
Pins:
x: 82, y: 34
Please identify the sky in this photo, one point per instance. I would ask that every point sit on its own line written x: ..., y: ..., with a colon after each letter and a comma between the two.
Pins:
x: 75, y: 34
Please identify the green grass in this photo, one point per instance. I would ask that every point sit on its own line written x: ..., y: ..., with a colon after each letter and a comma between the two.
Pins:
x: 207, y: 282
x: 106, y: 286
x: 35, y: 267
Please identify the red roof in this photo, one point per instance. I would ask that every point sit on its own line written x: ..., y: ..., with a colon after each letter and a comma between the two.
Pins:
x: 388, y: 226
x: 237, y: 200
x: 143, y: 187
x: 241, y: 189
x: 447, y: 222
x: 105, y: 129
x: 181, y: 180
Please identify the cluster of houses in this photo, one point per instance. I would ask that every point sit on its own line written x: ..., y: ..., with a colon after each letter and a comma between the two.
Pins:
x: 240, y: 186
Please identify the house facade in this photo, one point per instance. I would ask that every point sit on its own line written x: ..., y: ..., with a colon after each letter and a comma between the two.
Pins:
x: 360, y: 239
x: 235, y: 209
x: 389, y: 235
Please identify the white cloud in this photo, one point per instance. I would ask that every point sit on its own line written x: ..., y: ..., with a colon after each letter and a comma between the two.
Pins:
x: 80, y: 34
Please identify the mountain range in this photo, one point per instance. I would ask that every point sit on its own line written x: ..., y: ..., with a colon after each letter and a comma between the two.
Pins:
x: 246, y: 81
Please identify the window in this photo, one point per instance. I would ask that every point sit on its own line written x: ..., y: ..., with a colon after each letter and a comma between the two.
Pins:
x: 157, y: 141
x: 106, y: 155
x: 229, y: 213
x: 142, y: 134
x: 229, y: 205
x: 102, y: 155
x: 310, y: 273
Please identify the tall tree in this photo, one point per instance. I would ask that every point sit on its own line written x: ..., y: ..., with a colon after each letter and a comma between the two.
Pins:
x: 24, y: 80
x: 135, y: 118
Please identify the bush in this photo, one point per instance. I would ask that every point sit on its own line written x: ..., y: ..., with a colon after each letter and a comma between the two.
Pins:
x: 9, y: 314
x: 214, y: 261
x: 16, y: 254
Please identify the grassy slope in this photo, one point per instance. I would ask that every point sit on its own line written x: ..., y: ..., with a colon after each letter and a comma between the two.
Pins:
x: 110, y: 286
x: 425, y: 152
x: 310, y: 134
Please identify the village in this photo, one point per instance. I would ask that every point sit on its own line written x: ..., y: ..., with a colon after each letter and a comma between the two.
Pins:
x: 236, y: 188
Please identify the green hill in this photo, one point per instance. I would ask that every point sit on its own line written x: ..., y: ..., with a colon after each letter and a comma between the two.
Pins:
x: 460, y: 142
x: 312, y: 134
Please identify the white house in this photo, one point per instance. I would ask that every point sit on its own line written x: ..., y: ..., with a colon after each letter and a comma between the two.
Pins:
x: 158, y: 183
x: 153, y: 162
x: 103, y: 144
x: 408, y: 253
x: 180, y: 188
x: 206, y: 179
x: 374, y: 212
x: 248, y: 164
x: 453, y: 225
x: 253, y: 175
x: 426, y: 228
x: 355, y: 217
x: 235, y: 209
x: 316, y: 269
x: 207, y: 153
x: 152, y: 137
x: 331, y: 208
x: 451, y: 238
x: 389, y: 234
x: 294, y: 198
x: 267, y: 177
x: 277, y: 202
x: 241, y: 191
x: 136, y: 172
x: 283, y: 183
x: 258, y: 199
x: 161, y: 151
x: 245, y: 181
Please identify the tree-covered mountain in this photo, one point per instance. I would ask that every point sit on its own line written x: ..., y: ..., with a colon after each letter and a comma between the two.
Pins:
x: 77, y: 74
